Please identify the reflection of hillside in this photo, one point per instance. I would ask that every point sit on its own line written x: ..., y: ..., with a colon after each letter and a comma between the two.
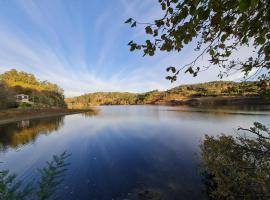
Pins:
x: 225, y: 110
x: 16, y: 134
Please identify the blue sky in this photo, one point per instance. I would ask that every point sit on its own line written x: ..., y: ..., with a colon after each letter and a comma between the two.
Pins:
x: 82, y: 45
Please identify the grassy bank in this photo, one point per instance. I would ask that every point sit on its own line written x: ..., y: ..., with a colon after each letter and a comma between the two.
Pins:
x: 13, y: 115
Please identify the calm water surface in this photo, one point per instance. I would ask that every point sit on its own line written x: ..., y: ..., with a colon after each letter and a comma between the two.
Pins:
x: 124, y: 150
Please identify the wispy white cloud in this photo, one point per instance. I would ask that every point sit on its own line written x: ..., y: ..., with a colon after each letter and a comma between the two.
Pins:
x: 83, y: 49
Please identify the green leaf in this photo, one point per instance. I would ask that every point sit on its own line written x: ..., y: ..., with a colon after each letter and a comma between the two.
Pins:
x: 148, y: 30
x: 170, y: 10
x: 244, y: 5
x: 260, y: 40
x: 159, y: 23
x: 223, y: 37
x: 173, y: 69
x: 190, y: 70
x: 254, y: 3
x: 134, y: 24
x: 163, y: 6
x: 133, y: 47
x: 128, y: 21
x: 211, y: 52
x: 205, y: 14
x: 155, y: 33
x: 168, y: 77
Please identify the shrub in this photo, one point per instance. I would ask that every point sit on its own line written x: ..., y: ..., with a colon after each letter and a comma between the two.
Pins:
x: 25, y: 105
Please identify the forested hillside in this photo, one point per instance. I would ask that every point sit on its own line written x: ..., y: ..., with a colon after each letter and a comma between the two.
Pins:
x: 42, y: 93
x: 102, y: 98
x: 177, y: 94
x: 46, y: 94
x: 218, y: 88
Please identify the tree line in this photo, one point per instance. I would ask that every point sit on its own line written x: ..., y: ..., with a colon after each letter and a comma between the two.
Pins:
x: 210, y: 89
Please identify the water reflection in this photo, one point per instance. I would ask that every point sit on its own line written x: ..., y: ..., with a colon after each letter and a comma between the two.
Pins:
x: 89, y: 114
x: 51, y: 177
x: 17, y: 134
x: 226, y: 110
x: 124, y: 152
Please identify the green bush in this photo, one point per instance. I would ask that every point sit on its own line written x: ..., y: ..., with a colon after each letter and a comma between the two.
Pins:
x: 25, y: 105
x: 237, y: 167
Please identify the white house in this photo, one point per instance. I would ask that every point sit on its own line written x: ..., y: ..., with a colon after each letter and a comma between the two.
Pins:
x: 22, y: 98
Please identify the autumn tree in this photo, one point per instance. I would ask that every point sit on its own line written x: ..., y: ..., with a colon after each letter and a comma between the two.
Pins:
x: 238, y: 168
x: 218, y: 28
x: 42, y: 93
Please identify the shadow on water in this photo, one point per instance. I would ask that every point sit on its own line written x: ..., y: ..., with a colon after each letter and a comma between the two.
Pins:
x: 17, y: 134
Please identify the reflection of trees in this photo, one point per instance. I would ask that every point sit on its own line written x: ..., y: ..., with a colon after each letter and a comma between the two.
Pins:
x: 16, y: 134
x: 89, y: 114
x: 238, y: 167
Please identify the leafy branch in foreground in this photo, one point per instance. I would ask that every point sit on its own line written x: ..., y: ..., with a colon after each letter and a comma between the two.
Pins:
x: 10, y: 189
x: 238, y: 167
x: 51, y: 178
x: 217, y: 28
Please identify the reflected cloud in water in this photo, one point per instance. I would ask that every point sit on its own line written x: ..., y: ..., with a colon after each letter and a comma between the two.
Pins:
x: 123, y: 152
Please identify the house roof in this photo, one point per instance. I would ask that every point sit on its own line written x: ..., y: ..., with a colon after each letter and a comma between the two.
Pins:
x: 22, y: 95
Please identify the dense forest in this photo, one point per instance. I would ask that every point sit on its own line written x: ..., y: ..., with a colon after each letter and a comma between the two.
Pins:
x: 46, y: 94
x: 42, y: 93
x: 174, y: 95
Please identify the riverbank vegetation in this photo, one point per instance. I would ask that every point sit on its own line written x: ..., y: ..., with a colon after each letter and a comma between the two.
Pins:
x: 237, y: 167
x: 41, y: 93
x: 14, y: 115
x: 183, y: 94
x: 45, y: 99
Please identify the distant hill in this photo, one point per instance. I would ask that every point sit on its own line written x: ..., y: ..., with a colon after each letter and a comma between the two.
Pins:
x: 43, y: 93
x: 176, y: 95
x: 102, y: 98
x: 46, y: 94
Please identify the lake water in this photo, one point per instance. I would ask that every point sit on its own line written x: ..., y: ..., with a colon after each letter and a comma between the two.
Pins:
x: 124, y: 152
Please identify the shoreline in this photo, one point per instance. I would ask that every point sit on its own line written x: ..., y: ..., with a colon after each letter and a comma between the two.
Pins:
x: 200, y: 101
x: 16, y: 115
